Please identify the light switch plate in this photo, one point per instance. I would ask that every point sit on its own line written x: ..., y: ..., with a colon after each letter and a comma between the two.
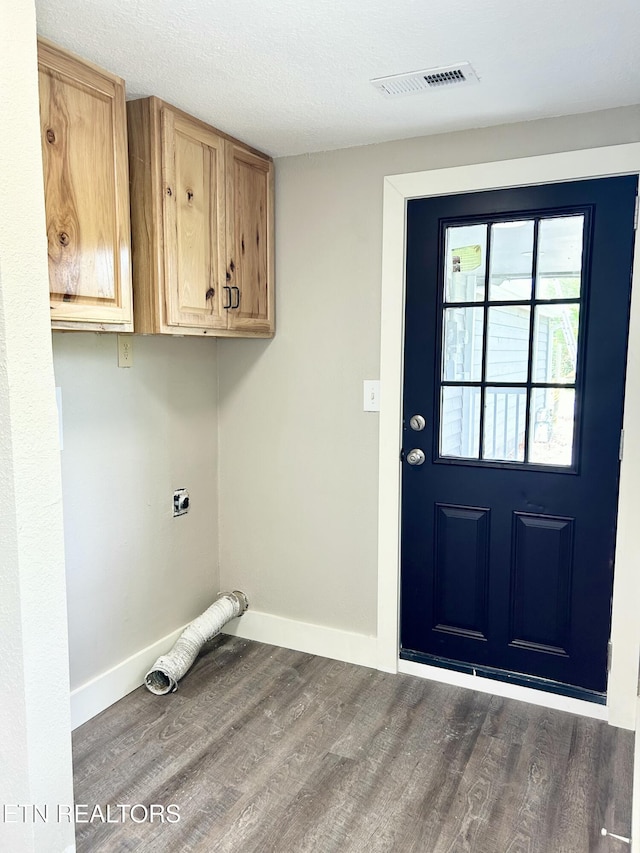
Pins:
x: 371, y: 395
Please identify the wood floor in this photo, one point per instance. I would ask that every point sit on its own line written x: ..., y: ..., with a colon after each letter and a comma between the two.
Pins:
x: 266, y: 750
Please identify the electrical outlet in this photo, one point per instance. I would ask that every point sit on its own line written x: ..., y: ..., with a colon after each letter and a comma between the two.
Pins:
x: 180, y: 502
x: 125, y: 350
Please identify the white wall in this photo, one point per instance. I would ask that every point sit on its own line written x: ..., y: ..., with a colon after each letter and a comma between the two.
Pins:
x: 298, y: 457
x: 35, y: 748
x: 132, y: 436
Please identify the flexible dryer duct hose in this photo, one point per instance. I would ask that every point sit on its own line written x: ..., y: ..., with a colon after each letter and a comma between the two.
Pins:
x: 164, y: 675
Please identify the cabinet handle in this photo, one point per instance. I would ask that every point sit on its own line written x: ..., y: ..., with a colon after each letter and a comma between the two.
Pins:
x: 237, y: 302
x: 227, y: 292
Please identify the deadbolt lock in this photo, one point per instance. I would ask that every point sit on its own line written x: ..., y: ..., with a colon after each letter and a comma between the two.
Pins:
x: 417, y: 423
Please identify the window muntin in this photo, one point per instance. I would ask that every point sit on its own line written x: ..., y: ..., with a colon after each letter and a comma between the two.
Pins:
x: 510, y: 341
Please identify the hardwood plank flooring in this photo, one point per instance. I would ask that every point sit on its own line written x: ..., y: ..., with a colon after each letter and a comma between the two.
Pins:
x: 267, y: 750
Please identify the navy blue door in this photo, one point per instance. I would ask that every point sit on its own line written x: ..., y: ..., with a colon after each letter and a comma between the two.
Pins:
x: 517, y: 311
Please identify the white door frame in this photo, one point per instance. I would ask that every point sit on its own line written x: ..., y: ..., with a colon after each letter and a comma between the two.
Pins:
x: 549, y: 168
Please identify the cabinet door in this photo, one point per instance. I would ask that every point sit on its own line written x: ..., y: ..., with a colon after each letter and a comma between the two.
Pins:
x: 250, y: 272
x: 86, y: 184
x: 193, y: 216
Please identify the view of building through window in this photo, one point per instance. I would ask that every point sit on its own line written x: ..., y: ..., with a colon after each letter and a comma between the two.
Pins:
x: 510, y: 330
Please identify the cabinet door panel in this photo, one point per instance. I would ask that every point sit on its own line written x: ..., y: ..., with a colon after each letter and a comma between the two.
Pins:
x: 250, y: 239
x: 193, y: 182
x: 86, y: 192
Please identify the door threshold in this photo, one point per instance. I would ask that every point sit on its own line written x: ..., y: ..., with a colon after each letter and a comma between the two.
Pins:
x: 591, y: 707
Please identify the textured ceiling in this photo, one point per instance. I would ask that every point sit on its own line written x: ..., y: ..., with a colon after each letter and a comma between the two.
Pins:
x: 292, y: 76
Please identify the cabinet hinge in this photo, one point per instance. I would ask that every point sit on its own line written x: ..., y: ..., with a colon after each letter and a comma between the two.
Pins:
x: 621, y: 446
x: 609, y: 655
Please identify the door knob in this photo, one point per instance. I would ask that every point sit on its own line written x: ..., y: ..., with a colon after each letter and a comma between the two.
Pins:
x: 415, y: 456
x: 417, y: 423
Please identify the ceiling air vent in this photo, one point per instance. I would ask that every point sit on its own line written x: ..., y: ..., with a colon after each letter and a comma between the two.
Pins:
x: 433, y: 78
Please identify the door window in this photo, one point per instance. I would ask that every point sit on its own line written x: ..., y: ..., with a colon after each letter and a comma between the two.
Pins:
x: 510, y: 326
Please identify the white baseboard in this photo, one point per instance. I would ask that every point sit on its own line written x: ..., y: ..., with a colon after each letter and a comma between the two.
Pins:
x: 102, y: 691
x: 94, y: 696
x: 305, y: 637
x: 503, y: 688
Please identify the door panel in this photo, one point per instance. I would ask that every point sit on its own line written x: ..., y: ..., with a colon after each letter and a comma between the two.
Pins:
x: 193, y: 166
x: 84, y: 155
x: 515, y: 350
x: 462, y: 561
x: 249, y: 241
x: 541, y: 581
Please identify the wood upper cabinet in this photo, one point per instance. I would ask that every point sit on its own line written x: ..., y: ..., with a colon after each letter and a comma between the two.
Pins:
x: 249, y: 234
x: 192, y: 219
x: 86, y: 186
x: 202, y: 227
